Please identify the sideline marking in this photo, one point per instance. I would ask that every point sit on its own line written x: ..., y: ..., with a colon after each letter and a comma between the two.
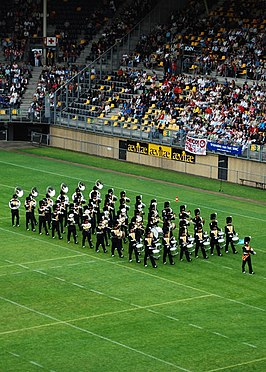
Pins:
x: 94, y: 334
x: 237, y: 365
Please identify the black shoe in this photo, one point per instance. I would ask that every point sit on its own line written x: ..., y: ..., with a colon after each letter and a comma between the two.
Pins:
x: 105, y: 251
x: 235, y: 252
x: 155, y: 266
x: 138, y: 261
x: 60, y: 237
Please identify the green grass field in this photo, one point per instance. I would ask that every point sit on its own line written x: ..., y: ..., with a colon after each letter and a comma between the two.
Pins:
x: 65, y: 308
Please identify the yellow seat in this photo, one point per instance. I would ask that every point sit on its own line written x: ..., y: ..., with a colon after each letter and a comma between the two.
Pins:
x: 88, y: 120
x: 102, y: 87
x: 2, y: 112
x: 108, y: 78
x: 87, y: 102
x: 14, y: 112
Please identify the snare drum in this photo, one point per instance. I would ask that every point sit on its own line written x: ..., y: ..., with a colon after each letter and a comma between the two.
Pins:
x: 206, y: 244
x: 174, y: 251
x: 139, y: 247
x: 156, y: 254
x: 235, y: 239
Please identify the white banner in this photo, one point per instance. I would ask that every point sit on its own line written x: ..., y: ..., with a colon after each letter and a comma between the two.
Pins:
x: 196, y: 145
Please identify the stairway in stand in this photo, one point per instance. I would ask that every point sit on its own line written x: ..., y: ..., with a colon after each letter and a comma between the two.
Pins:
x: 31, y: 89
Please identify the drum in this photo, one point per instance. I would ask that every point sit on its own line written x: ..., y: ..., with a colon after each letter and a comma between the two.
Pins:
x: 139, y: 247
x: 190, y: 247
x: 156, y: 254
x: 206, y: 244
x: 191, y: 239
x: 173, y: 250
x: 221, y: 233
x: 235, y: 239
x: 221, y: 241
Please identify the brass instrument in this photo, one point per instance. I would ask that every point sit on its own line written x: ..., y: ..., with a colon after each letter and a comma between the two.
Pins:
x: 18, y: 191
x: 99, y: 184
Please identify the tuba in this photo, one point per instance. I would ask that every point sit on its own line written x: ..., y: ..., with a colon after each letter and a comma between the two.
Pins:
x: 50, y: 191
x: 99, y: 184
x: 34, y: 192
x: 64, y: 188
x: 81, y: 186
x: 18, y: 191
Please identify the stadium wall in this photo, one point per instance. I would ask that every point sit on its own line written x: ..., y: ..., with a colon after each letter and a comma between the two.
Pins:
x: 117, y: 148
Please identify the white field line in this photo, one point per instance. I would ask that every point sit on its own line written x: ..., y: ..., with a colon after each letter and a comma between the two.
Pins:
x: 238, y: 365
x: 152, y: 275
x: 121, y: 345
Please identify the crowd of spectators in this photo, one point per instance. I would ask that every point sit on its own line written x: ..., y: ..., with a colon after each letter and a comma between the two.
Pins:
x: 159, y: 95
x: 229, y: 41
x: 14, y: 79
x: 126, y: 19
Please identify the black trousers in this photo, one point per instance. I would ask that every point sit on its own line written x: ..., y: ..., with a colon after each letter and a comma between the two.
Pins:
x: 15, y: 216
x: 30, y: 220
x: 42, y: 224
x: 149, y: 254
x: 248, y: 261
x: 133, y: 248
x: 86, y: 235
x: 71, y: 230
x: 55, y: 228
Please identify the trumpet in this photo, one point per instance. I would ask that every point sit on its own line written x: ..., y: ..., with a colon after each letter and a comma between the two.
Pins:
x: 18, y: 191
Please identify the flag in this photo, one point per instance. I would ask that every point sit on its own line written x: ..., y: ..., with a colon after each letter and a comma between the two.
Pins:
x: 50, y: 41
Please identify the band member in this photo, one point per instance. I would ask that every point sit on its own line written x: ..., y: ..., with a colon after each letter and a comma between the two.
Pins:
x: 132, y: 247
x: 29, y: 206
x: 137, y: 221
x: 42, y: 217
x: 197, y: 220
x: 14, y: 205
x: 86, y: 233
x: 149, y: 244
x: 71, y: 227
x: 214, y: 235
x: 100, y: 237
x: 246, y: 255
x: 139, y: 206
x: 167, y: 212
x: 166, y: 241
x: 95, y: 200
x: 183, y: 213
x: 229, y: 234
x: 200, y: 238
x: 117, y: 236
x: 111, y: 198
x: 122, y: 219
x: 124, y: 200
x: 48, y: 210
x: 55, y: 221
x: 183, y: 243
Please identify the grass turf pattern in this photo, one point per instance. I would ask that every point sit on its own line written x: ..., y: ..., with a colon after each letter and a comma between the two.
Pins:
x: 65, y: 308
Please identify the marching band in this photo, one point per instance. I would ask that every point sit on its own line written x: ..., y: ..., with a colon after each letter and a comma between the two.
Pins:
x: 111, y: 225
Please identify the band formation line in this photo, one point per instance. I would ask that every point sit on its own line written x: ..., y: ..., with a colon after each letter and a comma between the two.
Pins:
x: 112, y: 226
